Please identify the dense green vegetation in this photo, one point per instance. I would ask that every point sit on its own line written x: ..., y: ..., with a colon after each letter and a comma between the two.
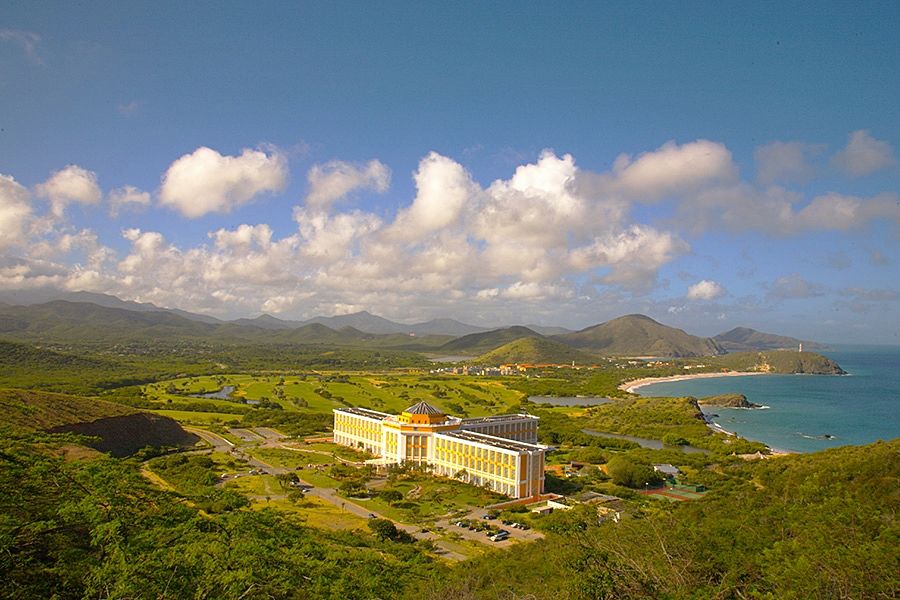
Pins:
x: 79, y: 367
x: 804, y: 526
x: 97, y: 529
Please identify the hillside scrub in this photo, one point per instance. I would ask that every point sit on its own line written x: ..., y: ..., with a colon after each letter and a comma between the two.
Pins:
x: 770, y: 534
x: 87, y: 529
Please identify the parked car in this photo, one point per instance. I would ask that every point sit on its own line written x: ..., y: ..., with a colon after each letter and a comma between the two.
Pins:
x: 499, y: 536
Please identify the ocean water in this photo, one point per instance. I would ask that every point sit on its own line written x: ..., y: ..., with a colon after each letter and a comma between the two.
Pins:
x: 806, y: 413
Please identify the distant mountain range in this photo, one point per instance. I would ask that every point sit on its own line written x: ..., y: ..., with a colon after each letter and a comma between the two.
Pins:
x: 87, y: 317
x: 362, y: 321
x: 631, y: 335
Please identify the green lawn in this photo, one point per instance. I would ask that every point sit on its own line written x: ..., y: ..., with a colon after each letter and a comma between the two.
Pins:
x: 317, y: 478
x: 342, y: 451
x: 428, y: 498
x: 316, y: 512
x: 256, y: 485
x: 323, y: 393
x: 289, y: 459
x: 184, y: 416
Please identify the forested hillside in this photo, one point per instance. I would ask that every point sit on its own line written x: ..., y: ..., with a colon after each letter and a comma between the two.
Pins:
x: 97, y: 529
x: 806, y: 526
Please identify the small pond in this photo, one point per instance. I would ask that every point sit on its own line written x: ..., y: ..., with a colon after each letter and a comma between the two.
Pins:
x: 646, y: 443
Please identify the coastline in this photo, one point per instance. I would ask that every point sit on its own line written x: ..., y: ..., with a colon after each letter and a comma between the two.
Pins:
x: 630, y: 386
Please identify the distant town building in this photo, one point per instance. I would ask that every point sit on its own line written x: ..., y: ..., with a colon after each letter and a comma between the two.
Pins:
x: 500, y: 452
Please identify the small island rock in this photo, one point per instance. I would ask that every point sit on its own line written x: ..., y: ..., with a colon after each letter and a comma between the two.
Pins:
x: 728, y: 401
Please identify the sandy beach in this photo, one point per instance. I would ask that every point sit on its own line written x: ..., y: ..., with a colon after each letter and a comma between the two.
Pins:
x: 630, y: 386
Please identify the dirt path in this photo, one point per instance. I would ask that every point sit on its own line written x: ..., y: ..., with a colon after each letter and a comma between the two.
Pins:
x: 156, y: 479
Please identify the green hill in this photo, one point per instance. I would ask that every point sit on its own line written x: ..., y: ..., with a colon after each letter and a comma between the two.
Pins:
x: 118, y: 429
x: 479, y: 343
x: 780, y: 361
x: 744, y: 339
x: 33, y: 411
x: 535, y: 350
x: 639, y: 335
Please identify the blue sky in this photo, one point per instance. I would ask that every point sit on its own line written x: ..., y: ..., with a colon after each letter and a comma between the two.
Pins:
x: 710, y: 165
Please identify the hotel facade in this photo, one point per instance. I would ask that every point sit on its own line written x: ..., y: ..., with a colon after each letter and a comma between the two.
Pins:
x: 500, y: 452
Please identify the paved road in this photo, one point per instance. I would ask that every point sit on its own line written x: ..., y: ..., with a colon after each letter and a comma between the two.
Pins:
x: 220, y: 444
x: 269, y: 433
x: 246, y: 435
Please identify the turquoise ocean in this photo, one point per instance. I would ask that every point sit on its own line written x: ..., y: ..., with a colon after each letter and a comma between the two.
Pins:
x: 806, y: 413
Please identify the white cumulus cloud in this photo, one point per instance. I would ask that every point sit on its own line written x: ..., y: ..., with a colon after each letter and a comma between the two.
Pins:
x: 673, y: 169
x: 68, y: 185
x: 864, y: 154
x: 333, y: 180
x: 15, y: 211
x: 206, y: 181
x: 444, y: 188
x: 634, y: 255
x: 127, y: 197
x: 705, y: 290
x: 549, y: 238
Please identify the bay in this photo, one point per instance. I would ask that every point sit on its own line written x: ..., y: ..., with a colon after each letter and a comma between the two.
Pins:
x: 807, y: 413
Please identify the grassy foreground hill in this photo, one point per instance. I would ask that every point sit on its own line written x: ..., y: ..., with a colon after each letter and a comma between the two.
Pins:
x: 535, y: 350
x: 639, y: 335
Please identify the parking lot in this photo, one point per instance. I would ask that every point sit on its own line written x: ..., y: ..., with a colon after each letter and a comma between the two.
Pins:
x: 475, y: 521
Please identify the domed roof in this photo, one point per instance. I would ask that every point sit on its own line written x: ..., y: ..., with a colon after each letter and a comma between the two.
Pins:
x: 423, y: 408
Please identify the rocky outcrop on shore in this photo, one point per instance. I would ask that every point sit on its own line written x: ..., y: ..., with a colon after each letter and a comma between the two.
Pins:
x: 728, y: 401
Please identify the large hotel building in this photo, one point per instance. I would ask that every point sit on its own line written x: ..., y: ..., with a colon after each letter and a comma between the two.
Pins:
x: 500, y: 452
